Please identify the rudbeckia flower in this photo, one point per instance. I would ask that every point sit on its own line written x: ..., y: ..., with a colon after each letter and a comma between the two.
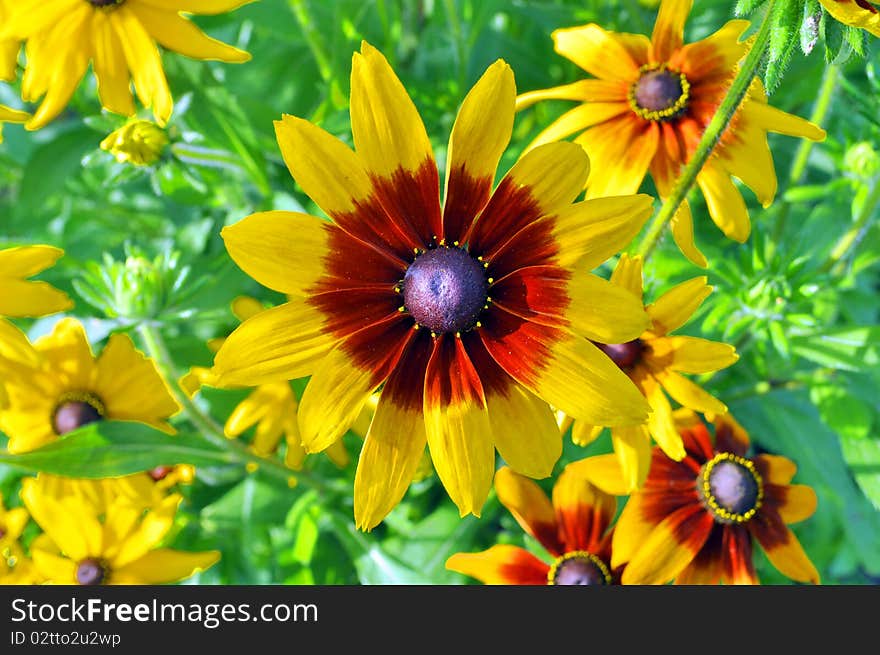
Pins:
x: 106, y: 543
x: 271, y: 406
x: 57, y: 385
x: 119, y: 38
x: 574, y: 529
x: 696, y: 521
x: 21, y: 297
x: 655, y: 362
x: 858, y: 13
x: 470, y: 315
x: 648, y: 108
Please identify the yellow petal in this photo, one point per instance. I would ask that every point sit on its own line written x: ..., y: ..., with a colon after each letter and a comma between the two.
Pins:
x: 582, y: 90
x: 775, y: 120
x: 693, y: 354
x: 54, y: 568
x: 675, y: 307
x: 178, y: 34
x: 604, y: 312
x: 668, y: 33
x: 284, y: 251
x: 387, y: 129
x: 749, y: 157
x: 591, y: 231
x: 628, y: 275
x: 583, y: 512
x: 725, y: 203
x: 69, y: 354
x: 661, y: 424
x: 633, y: 526
x: 688, y: 394
x: 501, y: 565
x: 583, y: 434
x: 71, y: 525
x: 682, y: 225
x: 555, y: 174
x: 196, y: 378
x: 598, y: 52
x: 15, y: 349
x: 163, y: 566
x: 603, y: 471
x: 283, y: 343
x: 775, y: 469
x: 31, y: 299
x: 457, y: 426
x: 24, y: 261
x: 149, y: 532
x: 621, y: 150
x: 525, y: 431
x: 333, y: 399
x: 243, y: 307
x: 783, y: 548
x: 111, y: 71
x: 530, y: 506
x: 632, y: 445
x: 799, y: 503
x: 576, y: 120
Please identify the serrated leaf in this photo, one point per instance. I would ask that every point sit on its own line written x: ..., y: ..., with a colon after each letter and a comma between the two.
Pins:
x: 784, y: 37
x: 113, y: 448
x: 746, y: 7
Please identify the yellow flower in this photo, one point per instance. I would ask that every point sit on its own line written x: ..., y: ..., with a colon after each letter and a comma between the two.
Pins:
x: 20, y: 297
x: 655, y: 362
x: 270, y: 406
x: 858, y: 13
x: 119, y: 38
x: 138, y: 142
x: 648, y: 109
x: 112, y: 542
x: 57, y: 385
x: 469, y: 314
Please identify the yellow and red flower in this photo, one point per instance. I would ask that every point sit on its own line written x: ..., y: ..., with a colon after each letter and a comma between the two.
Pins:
x: 857, y: 13
x: 574, y: 528
x: 696, y: 521
x: 119, y: 38
x: 56, y: 385
x: 648, y: 108
x: 655, y: 362
x: 470, y: 314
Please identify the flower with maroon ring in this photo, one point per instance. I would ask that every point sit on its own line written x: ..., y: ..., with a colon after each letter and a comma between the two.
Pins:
x: 695, y: 521
x: 574, y: 529
x: 57, y: 385
x: 655, y: 363
x: 469, y: 316
x: 649, y: 106
x: 857, y: 13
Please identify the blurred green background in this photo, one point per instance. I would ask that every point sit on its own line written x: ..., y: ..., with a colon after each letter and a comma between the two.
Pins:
x: 804, y: 321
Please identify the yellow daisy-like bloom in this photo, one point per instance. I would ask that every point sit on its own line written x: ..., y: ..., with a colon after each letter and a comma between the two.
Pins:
x: 57, y: 385
x: 649, y: 107
x: 119, y: 38
x: 655, y: 362
x: 112, y: 542
x: 20, y: 297
x: 470, y: 316
x: 271, y: 406
x: 139, y: 143
x: 858, y: 13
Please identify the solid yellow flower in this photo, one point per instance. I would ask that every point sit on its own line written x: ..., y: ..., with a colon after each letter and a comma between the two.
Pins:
x: 111, y: 542
x: 139, y: 143
x: 20, y: 297
x: 271, y: 406
x: 471, y: 316
x: 655, y: 361
x: 858, y: 13
x: 119, y: 38
x: 56, y: 385
x: 648, y: 107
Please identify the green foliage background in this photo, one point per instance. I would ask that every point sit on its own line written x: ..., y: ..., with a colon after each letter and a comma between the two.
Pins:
x: 802, y: 315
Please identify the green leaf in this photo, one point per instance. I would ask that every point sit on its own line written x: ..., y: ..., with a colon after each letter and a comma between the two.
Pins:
x: 810, y: 26
x: 784, y: 37
x: 113, y: 448
x: 746, y: 7
x: 851, y: 348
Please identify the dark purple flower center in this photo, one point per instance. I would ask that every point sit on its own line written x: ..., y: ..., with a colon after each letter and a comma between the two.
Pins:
x: 658, y: 90
x: 445, y: 289
x: 75, y: 413
x: 105, y: 3
x: 90, y: 572
x: 625, y: 355
x: 579, y: 568
x: 731, y: 488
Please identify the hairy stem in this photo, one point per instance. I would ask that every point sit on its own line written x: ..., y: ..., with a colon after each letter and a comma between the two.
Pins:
x: 845, y: 244
x: 711, y: 136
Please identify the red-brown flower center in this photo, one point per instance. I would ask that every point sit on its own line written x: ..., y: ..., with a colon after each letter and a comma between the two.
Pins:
x: 75, y: 410
x: 2, y: 533
x: 731, y: 488
x: 160, y: 472
x: 660, y: 94
x: 625, y: 355
x: 445, y: 289
x: 90, y: 571
x: 579, y: 567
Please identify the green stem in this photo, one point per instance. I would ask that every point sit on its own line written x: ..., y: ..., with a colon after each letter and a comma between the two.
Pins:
x: 208, y: 428
x: 313, y: 37
x: 711, y: 136
x: 835, y: 260
x: 455, y: 28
